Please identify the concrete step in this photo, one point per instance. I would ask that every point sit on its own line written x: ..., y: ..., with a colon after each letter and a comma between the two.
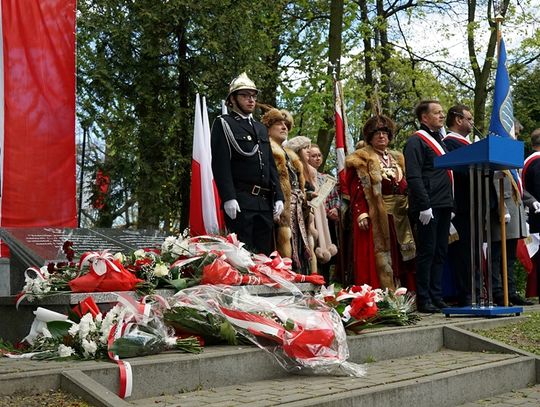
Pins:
x: 440, y: 378
x: 217, y: 366
x: 527, y: 397
x: 228, y: 368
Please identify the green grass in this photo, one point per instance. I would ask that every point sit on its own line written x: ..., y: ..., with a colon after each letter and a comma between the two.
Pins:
x: 524, y: 334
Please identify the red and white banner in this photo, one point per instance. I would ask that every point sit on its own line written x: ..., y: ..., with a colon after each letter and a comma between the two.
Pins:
x: 205, y: 216
x: 343, y: 143
x: 37, y: 108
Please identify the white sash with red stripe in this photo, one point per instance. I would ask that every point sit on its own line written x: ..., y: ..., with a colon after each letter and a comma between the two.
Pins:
x: 528, y: 161
x: 458, y: 137
x: 437, y: 148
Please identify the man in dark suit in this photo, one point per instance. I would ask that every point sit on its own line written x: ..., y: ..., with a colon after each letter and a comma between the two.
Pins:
x: 430, y: 204
x: 460, y: 122
x: 244, y: 169
x: 531, y: 183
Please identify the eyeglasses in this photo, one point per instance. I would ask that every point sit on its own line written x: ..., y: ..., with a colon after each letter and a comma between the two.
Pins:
x: 248, y: 95
x: 381, y: 133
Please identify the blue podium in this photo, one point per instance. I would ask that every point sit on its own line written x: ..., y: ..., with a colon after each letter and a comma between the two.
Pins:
x: 480, y: 158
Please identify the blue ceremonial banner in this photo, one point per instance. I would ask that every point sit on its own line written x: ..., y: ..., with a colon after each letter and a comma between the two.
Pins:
x: 502, y: 115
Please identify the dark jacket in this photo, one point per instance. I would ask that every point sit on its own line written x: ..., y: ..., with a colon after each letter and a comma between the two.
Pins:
x: 531, y: 183
x: 429, y: 187
x: 237, y: 175
x: 461, y: 182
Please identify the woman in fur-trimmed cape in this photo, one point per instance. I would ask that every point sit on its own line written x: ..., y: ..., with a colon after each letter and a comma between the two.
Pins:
x: 382, y: 235
x: 322, y: 245
x: 290, y: 232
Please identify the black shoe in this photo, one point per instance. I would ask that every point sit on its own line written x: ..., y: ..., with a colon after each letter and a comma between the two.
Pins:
x: 517, y: 300
x: 427, y: 309
x: 440, y: 304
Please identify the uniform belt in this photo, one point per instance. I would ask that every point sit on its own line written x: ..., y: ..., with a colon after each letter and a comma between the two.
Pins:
x: 254, y: 189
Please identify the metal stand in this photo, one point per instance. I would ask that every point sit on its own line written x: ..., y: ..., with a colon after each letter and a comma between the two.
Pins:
x: 479, y: 187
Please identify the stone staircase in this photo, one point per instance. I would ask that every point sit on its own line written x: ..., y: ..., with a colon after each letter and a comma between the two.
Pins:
x: 438, y: 363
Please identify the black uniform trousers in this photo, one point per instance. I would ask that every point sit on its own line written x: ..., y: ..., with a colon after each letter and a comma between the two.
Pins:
x: 431, y: 249
x: 496, y: 269
x: 459, y: 256
x: 254, y: 228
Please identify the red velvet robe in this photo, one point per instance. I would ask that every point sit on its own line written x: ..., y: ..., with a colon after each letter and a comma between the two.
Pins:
x: 363, y: 250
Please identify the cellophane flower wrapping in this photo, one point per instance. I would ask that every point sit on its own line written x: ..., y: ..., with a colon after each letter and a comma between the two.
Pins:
x: 128, y: 329
x: 302, y: 333
x: 105, y: 274
x: 141, y: 331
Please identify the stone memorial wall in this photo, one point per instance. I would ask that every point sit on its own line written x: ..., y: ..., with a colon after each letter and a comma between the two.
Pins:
x: 35, y: 247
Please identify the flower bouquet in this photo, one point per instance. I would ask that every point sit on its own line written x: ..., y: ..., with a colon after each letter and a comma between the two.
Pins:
x: 105, y: 273
x: 189, y: 315
x: 50, y: 279
x: 128, y: 329
x: 182, y: 262
x: 362, y: 307
x: 95, y: 271
x: 302, y: 333
x: 224, y: 260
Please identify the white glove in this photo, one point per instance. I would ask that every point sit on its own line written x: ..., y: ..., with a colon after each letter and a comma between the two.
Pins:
x: 425, y: 216
x: 278, y: 208
x: 452, y: 216
x: 231, y: 208
x: 507, y: 217
x: 536, y: 206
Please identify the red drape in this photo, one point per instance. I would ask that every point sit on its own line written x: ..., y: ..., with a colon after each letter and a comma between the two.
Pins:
x: 38, y: 151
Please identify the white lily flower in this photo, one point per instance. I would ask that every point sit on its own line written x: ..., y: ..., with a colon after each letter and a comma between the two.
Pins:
x: 139, y: 254
x: 65, y: 351
x: 161, y: 270
x: 120, y: 257
x: 90, y: 347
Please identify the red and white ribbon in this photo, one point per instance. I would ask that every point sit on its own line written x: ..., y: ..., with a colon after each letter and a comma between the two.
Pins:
x: 23, y: 294
x: 100, y: 261
x: 126, y: 374
x: 458, y: 137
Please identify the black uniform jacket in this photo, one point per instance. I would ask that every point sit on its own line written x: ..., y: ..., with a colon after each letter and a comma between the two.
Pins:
x: 531, y: 183
x: 429, y: 187
x: 239, y: 177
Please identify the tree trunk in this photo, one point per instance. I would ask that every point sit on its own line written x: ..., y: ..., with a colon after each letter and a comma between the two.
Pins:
x: 326, y: 134
x: 185, y: 142
x: 368, y: 54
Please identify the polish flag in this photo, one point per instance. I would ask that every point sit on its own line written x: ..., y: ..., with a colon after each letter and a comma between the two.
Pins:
x: 343, y: 143
x: 205, y: 216
x: 37, y: 113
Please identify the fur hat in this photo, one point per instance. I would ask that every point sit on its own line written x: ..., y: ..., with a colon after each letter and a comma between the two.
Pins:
x: 297, y: 143
x: 274, y: 116
x: 376, y: 123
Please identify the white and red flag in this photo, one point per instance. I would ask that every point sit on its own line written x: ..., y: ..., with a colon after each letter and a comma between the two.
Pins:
x: 37, y: 113
x: 205, y: 216
x: 343, y: 143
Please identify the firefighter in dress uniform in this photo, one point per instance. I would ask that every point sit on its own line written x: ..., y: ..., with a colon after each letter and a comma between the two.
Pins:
x: 244, y: 169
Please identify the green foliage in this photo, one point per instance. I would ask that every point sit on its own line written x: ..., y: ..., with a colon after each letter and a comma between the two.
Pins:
x: 140, y: 64
x: 526, y: 96
x: 58, y: 329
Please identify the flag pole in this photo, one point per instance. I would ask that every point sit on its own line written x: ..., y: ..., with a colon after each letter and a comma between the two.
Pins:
x: 498, y: 23
x: 81, y: 178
